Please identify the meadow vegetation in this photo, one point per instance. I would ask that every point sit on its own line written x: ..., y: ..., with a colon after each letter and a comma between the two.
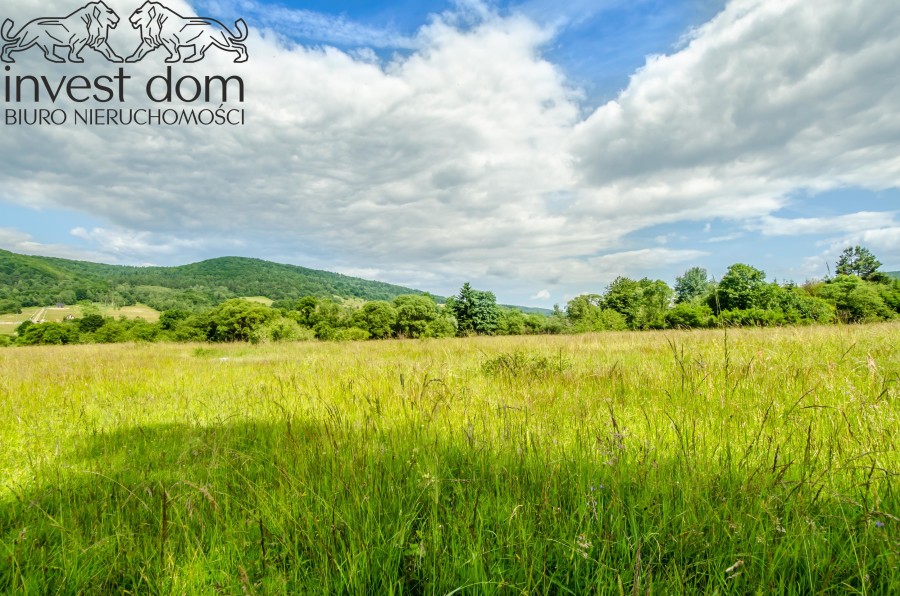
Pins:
x: 667, y: 462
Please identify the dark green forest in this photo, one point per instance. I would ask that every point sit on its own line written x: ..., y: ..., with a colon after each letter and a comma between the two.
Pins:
x: 202, y: 302
x: 41, y: 281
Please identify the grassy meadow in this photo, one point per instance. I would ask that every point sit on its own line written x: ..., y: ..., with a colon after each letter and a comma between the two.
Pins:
x: 706, y: 462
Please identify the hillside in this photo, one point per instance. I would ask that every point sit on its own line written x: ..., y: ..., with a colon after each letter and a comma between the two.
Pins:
x: 38, y: 281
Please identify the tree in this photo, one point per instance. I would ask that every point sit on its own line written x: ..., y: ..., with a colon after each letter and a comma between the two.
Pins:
x: 587, y: 314
x: 741, y: 288
x: 236, y: 319
x: 10, y: 306
x: 443, y: 326
x: 857, y: 261
x: 90, y: 323
x: 414, y: 314
x: 511, y: 322
x: 306, y: 306
x: 49, y: 334
x: 643, y: 303
x: 476, y: 311
x: 856, y: 300
x: 377, y: 318
x: 169, y: 319
x: 582, y: 307
x: 692, y: 285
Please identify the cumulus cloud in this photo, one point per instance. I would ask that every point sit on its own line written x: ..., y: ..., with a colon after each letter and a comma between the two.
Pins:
x: 443, y: 156
x: 470, y: 156
x: 133, y: 246
x: 768, y: 97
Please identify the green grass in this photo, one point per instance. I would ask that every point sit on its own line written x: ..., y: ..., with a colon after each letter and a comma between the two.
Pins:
x: 761, y: 461
x: 138, y: 311
x: 260, y: 300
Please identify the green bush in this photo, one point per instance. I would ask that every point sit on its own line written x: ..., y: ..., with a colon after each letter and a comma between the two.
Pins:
x: 280, y: 330
x: 352, y: 334
x: 686, y: 315
x: 50, y: 334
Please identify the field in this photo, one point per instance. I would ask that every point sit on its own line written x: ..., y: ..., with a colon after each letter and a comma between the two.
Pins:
x: 138, y: 311
x: 746, y: 462
x: 51, y: 314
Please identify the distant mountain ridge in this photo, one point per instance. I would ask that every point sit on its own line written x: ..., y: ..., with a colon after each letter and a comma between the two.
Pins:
x: 38, y: 281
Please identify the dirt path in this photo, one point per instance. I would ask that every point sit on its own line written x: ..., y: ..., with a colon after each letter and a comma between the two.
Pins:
x: 37, y: 318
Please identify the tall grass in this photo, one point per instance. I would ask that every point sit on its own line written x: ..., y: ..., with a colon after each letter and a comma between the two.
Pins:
x: 764, y: 461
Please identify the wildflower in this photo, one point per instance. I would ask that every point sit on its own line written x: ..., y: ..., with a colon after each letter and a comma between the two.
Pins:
x: 584, y: 545
x: 879, y: 524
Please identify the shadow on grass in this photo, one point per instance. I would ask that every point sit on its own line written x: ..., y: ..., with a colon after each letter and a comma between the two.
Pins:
x: 252, y: 507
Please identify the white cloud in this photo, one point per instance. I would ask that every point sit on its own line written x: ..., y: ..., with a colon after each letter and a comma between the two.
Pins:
x: 131, y: 246
x: 443, y: 158
x: 542, y: 295
x: 645, y: 259
x: 769, y: 97
x: 21, y: 242
x: 861, y: 222
x: 883, y: 242
x: 470, y: 158
x: 725, y: 238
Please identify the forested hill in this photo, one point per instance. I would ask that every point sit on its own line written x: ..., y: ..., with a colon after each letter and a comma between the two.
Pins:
x: 39, y: 281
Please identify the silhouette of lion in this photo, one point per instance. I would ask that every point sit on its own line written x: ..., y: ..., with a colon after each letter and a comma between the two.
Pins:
x: 86, y: 27
x: 163, y: 27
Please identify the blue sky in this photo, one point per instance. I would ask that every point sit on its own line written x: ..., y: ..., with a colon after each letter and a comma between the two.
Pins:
x: 538, y: 150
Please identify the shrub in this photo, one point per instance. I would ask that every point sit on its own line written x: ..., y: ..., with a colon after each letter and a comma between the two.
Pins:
x: 352, y: 334
x: 686, y: 315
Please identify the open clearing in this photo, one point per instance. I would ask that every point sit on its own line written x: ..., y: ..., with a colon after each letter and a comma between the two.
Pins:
x: 757, y: 461
x: 51, y: 314
x: 138, y: 311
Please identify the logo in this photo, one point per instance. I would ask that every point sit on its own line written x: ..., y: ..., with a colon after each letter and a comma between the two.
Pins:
x: 163, y: 27
x: 159, y: 26
x: 166, y: 99
x: 86, y: 27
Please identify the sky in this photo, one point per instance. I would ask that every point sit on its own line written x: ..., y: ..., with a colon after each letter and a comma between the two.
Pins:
x: 536, y: 149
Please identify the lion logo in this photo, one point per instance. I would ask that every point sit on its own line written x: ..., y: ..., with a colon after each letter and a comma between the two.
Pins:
x: 162, y: 27
x: 86, y: 27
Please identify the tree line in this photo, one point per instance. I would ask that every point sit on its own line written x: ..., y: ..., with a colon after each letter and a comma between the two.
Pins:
x: 857, y: 293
